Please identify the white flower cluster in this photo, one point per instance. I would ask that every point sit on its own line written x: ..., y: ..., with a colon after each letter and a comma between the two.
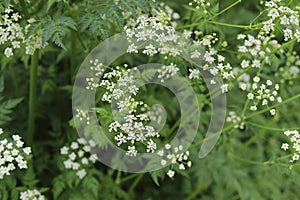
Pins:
x: 259, y: 50
x: 11, y: 31
x: 12, y: 154
x: 132, y: 129
x: 98, y: 70
x: 291, y: 69
x: 78, y: 156
x: 162, y: 10
x: 169, y: 12
x: 167, y: 71
x: 153, y: 30
x: 160, y: 38
x: 176, y: 157
x: 31, y: 195
x: 283, y: 15
x: 83, y: 115
x: 200, y: 4
x: 15, y: 35
x: 294, y: 137
x: 215, y: 62
x: 263, y: 94
x: 234, y: 118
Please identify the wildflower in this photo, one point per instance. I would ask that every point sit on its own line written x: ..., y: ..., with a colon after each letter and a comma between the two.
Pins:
x: 294, y: 137
x: 194, y: 73
x: 31, y: 194
x: 285, y: 146
x: 76, y: 156
x: 273, y: 112
x: 224, y: 88
x: 176, y: 157
x: 167, y: 71
x: 131, y: 151
x: 81, y: 173
x: 171, y: 173
x: 12, y: 154
x: 8, y: 52
x: 234, y: 118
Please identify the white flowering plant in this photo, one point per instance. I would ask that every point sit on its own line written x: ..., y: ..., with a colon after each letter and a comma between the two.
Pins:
x: 134, y: 99
x: 15, y: 169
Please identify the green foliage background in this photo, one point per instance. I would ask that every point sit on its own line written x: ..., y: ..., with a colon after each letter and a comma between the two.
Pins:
x: 243, y: 165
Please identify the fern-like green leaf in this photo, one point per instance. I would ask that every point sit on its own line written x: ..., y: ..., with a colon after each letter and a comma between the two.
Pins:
x: 93, y: 21
x: 57, y: 28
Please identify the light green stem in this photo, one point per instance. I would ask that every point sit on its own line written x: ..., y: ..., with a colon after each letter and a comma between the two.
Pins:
x: 225, y: 9
x: 234, y: 25
x: 135, y: 183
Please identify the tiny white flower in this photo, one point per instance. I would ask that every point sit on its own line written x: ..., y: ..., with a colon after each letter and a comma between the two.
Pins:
x: 245, y: 64
x: 160, y: 153
x: 27, y: 150
x: 256, y: 79
x: 167, y: 146
x: 64, y: 150
x: 273, y: 112
x: 93, y: 158
x: 16, y: 138
x: 224, y: 88
x: 181, y: 167
x: 269, y: 83
x: 250, y: 96
x: 84, y: 161
x: 163, y: 162
x: 256, y: 63
x: 72, y: 156
x: 253, y: 108
x: 68, y: 164
x: 81, y: 173
x: 295, y: 157
x: 279, y: 100
x: 171, y: 173
x: 74, y: 145
x: 285, y: 146
x: 8, y: 52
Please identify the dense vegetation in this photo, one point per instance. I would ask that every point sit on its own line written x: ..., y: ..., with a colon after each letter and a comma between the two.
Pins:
x: 216, y: 116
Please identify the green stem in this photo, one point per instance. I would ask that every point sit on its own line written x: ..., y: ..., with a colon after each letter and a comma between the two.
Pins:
x: 135, y: 183
x: 268, y: 162
x: 255, y: 136
x: 225, y: 9
x: 265, y: 127
x: 219, y: 13
x: 128, y: 178
x: 14, y: 79
x: 73, y: 55
x: 118, y: 178
x: 253, y: 20
x: 227, y: 128
x: 32, y: 97
x: 233, y: 25
x: 86, y: 50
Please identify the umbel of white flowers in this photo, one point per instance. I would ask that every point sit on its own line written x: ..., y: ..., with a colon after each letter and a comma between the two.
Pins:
x: 12, y: 154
